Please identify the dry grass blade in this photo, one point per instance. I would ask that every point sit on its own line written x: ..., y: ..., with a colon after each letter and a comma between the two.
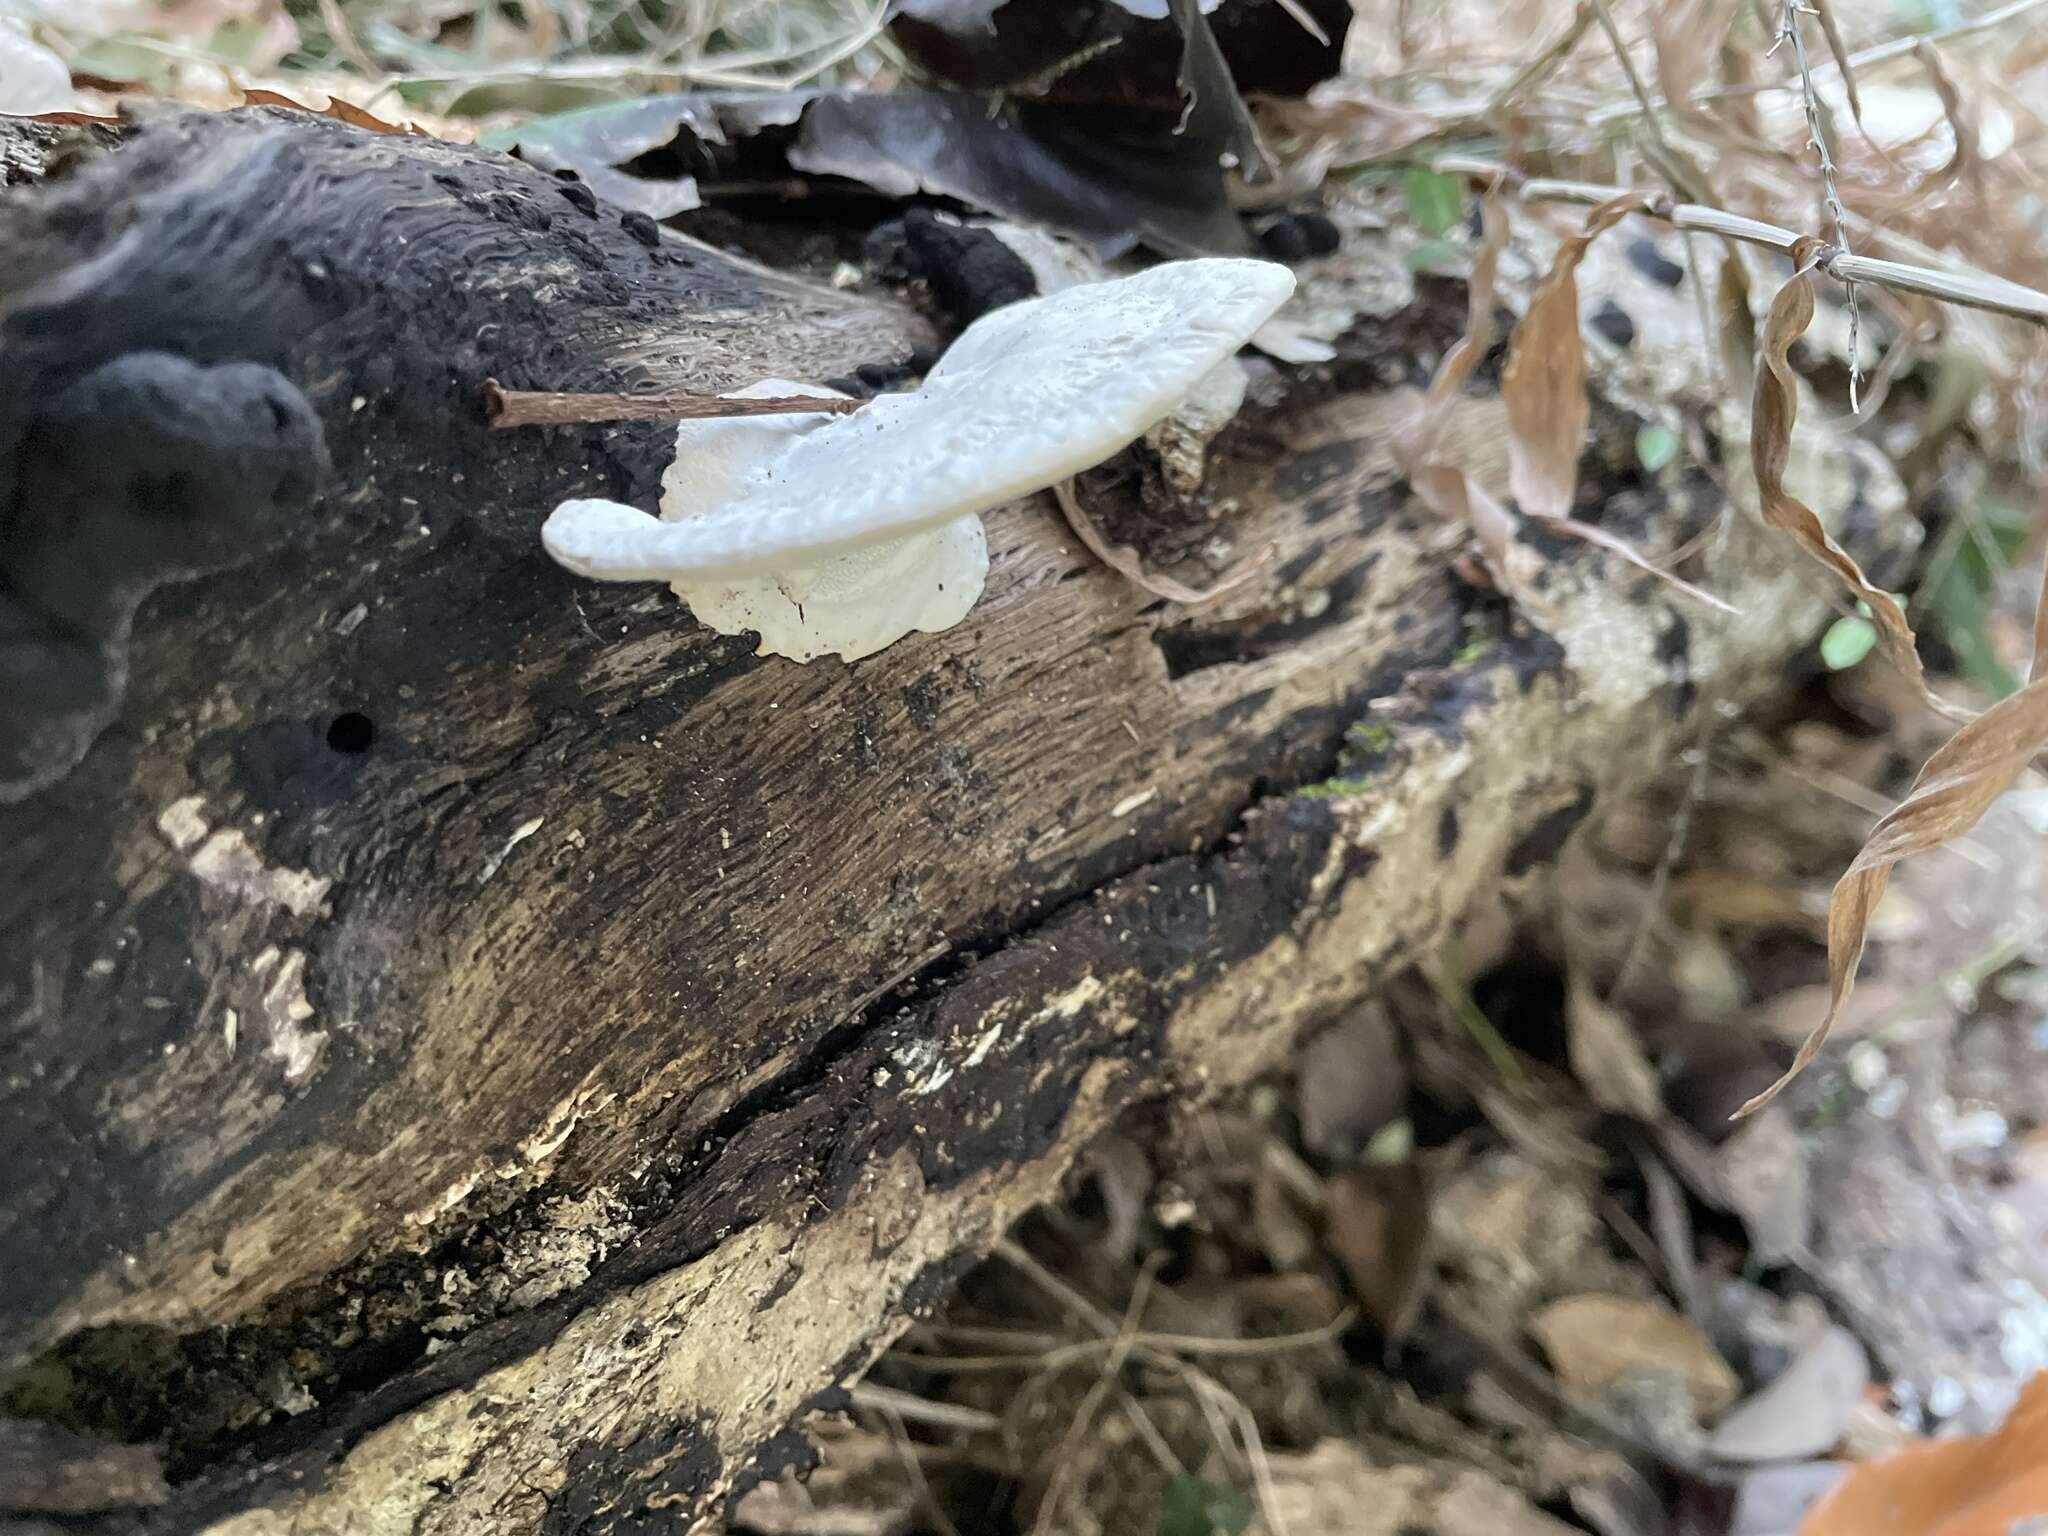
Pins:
x: 1126, y: 562
x: 1736, y: 321
x: 1600, y: 538
x: 1775, y: 413
x: 1544, y: 382
x: 1964, y: 158
x: 1840, y: 50
x: 1957, y: 785
x: 1688, y: 34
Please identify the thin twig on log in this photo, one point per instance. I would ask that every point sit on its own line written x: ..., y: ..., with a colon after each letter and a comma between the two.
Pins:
x: 544, y: 408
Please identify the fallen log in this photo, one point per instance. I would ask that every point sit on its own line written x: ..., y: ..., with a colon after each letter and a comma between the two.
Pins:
x: 484, y: 1052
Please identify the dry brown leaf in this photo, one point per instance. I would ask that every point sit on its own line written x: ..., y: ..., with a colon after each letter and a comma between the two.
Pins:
x: 1775, y: 413
x: 343, y: 111
x: 1593, y: 1341
x: 1547, y: 415
x: 63, y: 119
x: 1956, y: 787
x: 1377, y: 1227
x: 1544, y: 382
x: 1335, y: 1486
x: 1543, y: 387
x: 1840, y: 50
x: 1608, y: 1058
x: 1972, y: 1485
x: 1456, y: 496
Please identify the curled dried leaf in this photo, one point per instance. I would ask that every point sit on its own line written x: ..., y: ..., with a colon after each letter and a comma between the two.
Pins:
x: 1775, y: 413
x: 1958, y: 784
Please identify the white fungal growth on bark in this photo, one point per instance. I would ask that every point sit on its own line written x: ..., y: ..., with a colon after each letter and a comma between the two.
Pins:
x: 844, y: 533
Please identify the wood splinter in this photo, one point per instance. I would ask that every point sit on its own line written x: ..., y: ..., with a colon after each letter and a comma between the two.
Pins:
x: 545, y: 408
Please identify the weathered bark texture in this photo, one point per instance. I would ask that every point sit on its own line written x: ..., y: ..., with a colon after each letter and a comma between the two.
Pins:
x: 482, y: 1052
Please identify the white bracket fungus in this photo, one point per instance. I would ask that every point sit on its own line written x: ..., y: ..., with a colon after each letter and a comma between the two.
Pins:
x: 844, y: 533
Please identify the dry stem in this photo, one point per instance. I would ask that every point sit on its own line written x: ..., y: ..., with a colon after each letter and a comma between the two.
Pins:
x: 544, y: 408
x: 1973, y: 290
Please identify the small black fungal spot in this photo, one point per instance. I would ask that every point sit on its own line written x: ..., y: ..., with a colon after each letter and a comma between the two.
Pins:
x: 351, y: 732
x: 1295, y: 235
x: 968, y: 271
x: 1545, y: 840
x: 1644, y: 256
x: 1674, y: 642
x: 641, y: 228
x: 1447, y: 831
x: 1612, y: 322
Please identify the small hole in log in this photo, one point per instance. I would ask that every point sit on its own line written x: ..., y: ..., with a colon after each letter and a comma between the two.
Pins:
x: 351, y: 732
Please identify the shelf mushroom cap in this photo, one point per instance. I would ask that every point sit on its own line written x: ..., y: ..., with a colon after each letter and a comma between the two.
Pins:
x: 1028, y: 395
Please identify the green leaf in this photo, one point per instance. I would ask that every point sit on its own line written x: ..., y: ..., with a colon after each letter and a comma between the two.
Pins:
x: 1964, y: 614
x: 1392, y: 1144
x: 1977, y: 548
x: 1847, y: 642
x: 1435, y: 202
x: 1195, y: 1507
x: 1655, y: 447
x: 1433, y: 256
